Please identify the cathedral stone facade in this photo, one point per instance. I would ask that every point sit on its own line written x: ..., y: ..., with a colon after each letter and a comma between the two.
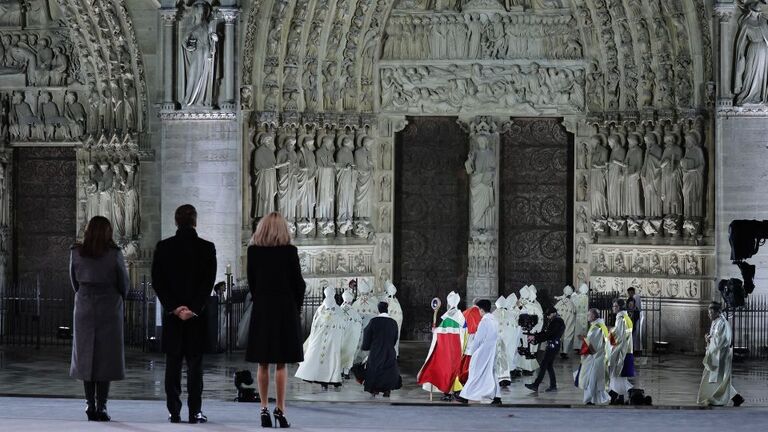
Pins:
x: 474, y: 146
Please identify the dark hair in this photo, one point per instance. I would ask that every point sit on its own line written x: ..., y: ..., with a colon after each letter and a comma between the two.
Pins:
x: 484, y: 304
x: 620, y: 303
x: 716, y: 306
x: 221, y: 285
x: 383, y: 307
x: 186, y: 216
x: 550, y: 310
x: 631, y: 289
x: 98, y: 238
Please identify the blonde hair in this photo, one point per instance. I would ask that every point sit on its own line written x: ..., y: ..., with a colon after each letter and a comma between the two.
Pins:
x: 272, y: 230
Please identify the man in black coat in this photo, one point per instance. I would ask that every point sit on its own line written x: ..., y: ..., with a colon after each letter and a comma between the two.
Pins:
x: 183, y: 273
x: 379, y: 338
x: 552, y: 333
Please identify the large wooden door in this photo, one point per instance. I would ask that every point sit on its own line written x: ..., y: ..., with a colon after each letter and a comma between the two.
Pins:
x: 431, y: 218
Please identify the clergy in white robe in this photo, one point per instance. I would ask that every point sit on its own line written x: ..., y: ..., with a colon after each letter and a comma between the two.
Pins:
x: 506, y: 314
x: 366, y: 306
x: 531, y: 306
x: 621, y: 362
x: 591, y: 374
x: 482, y: 384
x: 353, y: 333
x: 395, y: 311
x: 567, y: 311
x: 716, y: 388
x: 322, y: 349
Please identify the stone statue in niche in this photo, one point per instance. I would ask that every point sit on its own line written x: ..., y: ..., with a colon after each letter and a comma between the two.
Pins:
x: 581, y: 251
x: 597, y: 177
x: 481, y: 167
x: 385, y: 189
x: 583, y: 156
x: 581, y: 276
x: 750, y: 77
x: 118, y: 200
x: 615, y: 177
x: 105, y: 109
x: 305, y: 185
x: 386, y: 156
x: 655, y: 264
x: 647, y: 79
x: 671, y: 176
x: 651, y: 175
x: 264, y: 176
x: 633, y: 163
x: 38, y: 13
x: 341, y: 264
x: 75, y: 114
x: 596, y: 89
x: 50, y: 117
x: 364, y: 168
x: 23, y: 124
x: 345, y: 185
x: 199, y: 56
x: 45, y: 57
x: 11, y: 13
x: 331, y: 91
x: 106, y: 185
x: 59, y: 75
x: 638, y: 264
x: 619, y: 266
x: 582, y: 222
x: 691, y: 265
x: 132, y: 208
x: 384, y: 219
x: 4, y: 201
x: 692, y: 166
x: 674, y: 266
x: 92, y: 191
x: 326, y: 185
x: 582, y: 189
x: 602, y: 265
x: 386, y: 250
x: 129, y: 106
x: 287, y: 165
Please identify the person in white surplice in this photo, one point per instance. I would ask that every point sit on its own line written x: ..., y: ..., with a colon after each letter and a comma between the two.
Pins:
x: 353, y: 333
x: 322, y: 349
x: 716, y: 388
x: 506, y: 314
x: 567, y: 311
x: 481, y: 384
x: 581, y: 303
x: 591, y: 374
x: 366, y: 306
x: 530, y: 306
x: 621, y: 361
x: 395, y: 311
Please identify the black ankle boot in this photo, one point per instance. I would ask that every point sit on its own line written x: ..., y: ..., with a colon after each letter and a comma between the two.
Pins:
x: 90, y: 400
x: 280, y: 419
x: 102, y: 394
x: 101, y: 412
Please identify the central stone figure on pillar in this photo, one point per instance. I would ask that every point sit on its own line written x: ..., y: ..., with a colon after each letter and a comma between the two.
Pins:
x: 198, y: 49
x: 481, y: 167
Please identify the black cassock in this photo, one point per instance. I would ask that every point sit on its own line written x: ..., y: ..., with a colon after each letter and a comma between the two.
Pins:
x: 381, y: 373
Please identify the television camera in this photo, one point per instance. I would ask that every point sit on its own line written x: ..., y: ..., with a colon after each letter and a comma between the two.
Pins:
x: 745, y: 237
x: 527, y: 322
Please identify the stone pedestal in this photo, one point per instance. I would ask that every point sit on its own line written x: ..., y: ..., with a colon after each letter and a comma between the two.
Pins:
x: 200, y: 165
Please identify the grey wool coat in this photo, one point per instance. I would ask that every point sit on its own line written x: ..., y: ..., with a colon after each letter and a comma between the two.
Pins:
x: 100, y: 285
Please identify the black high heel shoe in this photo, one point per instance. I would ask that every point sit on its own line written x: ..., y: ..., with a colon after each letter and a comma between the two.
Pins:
x: 266, y: 419
x: 280, y: 419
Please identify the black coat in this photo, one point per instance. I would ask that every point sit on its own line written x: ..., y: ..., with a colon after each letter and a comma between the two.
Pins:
x: 183, y: 273
x: 381, y: 372
x: 552, y: 333
x: 277, y: 289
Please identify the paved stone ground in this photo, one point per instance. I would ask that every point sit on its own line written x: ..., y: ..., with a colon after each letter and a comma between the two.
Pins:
x: 672, y: 381
x: 37, y: 414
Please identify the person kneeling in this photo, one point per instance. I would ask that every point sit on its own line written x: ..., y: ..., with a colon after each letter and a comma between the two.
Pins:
x: 380, y: 338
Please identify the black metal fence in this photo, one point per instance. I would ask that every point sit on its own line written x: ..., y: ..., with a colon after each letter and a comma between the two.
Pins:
x: 750, y: 328
x: 651, y: 340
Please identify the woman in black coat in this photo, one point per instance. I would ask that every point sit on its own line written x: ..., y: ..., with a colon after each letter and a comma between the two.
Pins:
x: 277, y: 289
x: 100, y: 280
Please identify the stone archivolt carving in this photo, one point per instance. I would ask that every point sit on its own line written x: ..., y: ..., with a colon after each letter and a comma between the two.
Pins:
x: 320, y: 176
x: 480, y: 87
x: 640, y: 188
x: 38, y: 59
x: 484, y: 35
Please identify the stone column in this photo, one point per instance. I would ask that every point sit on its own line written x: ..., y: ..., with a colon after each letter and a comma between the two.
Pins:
x: 724, y: 12
x: 482, y: 166
x: 230, y: 17
x: 168, y: 19
x: 6, y: 156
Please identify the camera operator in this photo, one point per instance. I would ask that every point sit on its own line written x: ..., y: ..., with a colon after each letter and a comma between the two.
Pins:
x: 552, y: 333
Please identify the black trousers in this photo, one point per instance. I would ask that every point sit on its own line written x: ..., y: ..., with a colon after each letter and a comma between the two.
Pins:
x: 173, y: 363
x: 547, y: 365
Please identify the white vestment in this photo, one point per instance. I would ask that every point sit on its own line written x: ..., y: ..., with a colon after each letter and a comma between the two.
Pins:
x: 591, y: 373
x: 617, y: 354
x: 322, y: 349
x: 366, y: 306
x: 530, y: 308
x: 567, y: 311
x: 395, y: 312
x: 581, y: 323
x: 353, y: 337
x: 509, y: 340
x: 716, y: 388
x: 481, y: 383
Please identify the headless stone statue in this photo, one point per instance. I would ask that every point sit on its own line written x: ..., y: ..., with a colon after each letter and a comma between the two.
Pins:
x: 615, y: 178
x: 597, y: 177
x: 264, y: 176
x: 692, y: 166
x: 633, y: 163
x: 671, y: 176
x: 651, y: 176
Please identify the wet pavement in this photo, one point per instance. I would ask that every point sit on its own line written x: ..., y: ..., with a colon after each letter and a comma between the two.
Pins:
x: 672, y: 381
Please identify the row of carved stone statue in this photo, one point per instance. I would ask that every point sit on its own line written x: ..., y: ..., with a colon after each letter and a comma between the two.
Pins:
x: 34, y: 57
x: 627, y: 180
x: 459, y: 87
x: 654, y: 265
x: 58, y: 117
x: 111, y: 190
x: 319, y: 191
x: 480, y: 36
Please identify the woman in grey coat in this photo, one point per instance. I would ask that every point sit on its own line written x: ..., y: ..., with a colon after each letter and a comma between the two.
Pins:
x: 100, y: 280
